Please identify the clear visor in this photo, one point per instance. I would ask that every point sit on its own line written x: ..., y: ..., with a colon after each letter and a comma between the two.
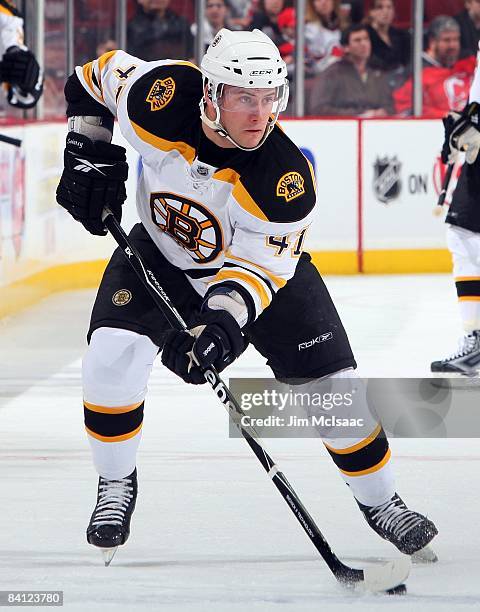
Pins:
x: 241, y: 99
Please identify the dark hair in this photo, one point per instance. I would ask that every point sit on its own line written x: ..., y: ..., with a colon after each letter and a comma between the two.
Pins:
x: 355, y: 27
x: 442, y: 23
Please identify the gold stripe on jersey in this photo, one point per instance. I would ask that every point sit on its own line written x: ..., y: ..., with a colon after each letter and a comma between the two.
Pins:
x: 183, y: 148
x: 358, y: 446
x: 247, y: 202
x: 109, y: 410
x: 6, y: 11
x: 277, y: 280
x: 251, y: 280
x: 312, y: 172
x: 372, y: 469
x: 121, y: 438
x: 460, y: 279
x: 105, y: 58
x: 87, y: 71
x: 240, y: 193
x: 469, y: 298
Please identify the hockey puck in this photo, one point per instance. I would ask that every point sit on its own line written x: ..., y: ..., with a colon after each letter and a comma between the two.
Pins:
x: 401, y: 589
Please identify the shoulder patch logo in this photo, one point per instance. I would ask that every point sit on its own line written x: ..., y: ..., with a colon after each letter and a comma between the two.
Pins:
x: 290, y: 186
x: 161, y: 93
x: 121, y: 297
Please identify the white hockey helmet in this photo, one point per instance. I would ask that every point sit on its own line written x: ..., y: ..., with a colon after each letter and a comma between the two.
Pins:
x: 249, y: 60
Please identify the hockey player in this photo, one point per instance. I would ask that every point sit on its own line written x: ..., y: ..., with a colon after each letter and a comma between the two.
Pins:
x: 19, y: 69
x: 463, y: 231
x: 224, y: 200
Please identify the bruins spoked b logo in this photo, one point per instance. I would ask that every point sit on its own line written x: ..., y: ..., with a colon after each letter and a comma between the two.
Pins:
x: 290, y: 186
x: 160, y: 94
x: 189, y: 223
x: 121, y: 297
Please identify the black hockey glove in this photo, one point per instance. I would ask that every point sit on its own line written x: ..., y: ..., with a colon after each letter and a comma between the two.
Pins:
x: 462, y: 133
x: 93, y: 177
x: 20, y: 70
x: 216, y: 340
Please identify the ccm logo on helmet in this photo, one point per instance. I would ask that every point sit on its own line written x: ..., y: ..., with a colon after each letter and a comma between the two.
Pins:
x: 260, y: 72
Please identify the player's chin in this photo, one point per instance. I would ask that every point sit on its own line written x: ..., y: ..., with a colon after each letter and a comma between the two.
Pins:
x: 251, y: 138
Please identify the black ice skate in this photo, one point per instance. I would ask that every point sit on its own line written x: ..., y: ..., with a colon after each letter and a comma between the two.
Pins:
x: 109, y: 526
x: 466, y: 360
x: 409, y: 531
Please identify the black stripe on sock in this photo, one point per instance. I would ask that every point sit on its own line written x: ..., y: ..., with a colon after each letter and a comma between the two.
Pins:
x: 468, y: 288
x: 110, y: 425
x: 364, y: 458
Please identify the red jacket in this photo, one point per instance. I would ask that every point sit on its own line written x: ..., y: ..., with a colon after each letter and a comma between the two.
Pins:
x: 444, y: 89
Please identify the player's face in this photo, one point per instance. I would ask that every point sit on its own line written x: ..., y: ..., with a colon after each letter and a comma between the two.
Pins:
x: 245, y: 112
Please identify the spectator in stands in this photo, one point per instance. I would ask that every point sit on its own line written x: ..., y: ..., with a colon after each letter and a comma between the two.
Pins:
x: 286, y: 23
x: 446, y: 78
x: 322, y: 32
x: 240, y: 13
x: 266, y: 17
x: 156, y: 32
x: 215, y: 20
x: 350, y: 86
x: 390, y: 45
x: 469, y: 22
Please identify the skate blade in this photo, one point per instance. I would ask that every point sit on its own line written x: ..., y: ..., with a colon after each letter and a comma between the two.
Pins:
x: 108, y: 554
x: 425, y: 555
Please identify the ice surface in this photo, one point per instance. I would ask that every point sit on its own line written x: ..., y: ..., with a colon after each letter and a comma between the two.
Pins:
x: 210, y: 532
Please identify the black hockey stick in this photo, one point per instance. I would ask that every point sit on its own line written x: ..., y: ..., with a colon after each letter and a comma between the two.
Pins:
x: 446, y: 181
x: 387, y: 576
x: 9, y: 140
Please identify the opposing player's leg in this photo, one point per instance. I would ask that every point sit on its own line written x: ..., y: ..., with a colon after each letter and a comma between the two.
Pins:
x: 125, y: 336
x: 465, y: 248
x: 305, y: 344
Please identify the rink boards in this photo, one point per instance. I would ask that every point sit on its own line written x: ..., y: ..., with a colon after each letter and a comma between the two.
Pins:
x: 378, y: 182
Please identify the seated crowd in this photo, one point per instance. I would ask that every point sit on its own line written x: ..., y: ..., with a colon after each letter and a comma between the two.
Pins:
x: 357, y: 52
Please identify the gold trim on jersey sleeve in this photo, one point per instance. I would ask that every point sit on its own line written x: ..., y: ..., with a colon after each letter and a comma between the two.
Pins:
x: 254, y: 282
x: 460, y: 279
x: 277, y: 280
x: 105, y: 58
x: 183, y: 148
x: 6, y: 11
x: 87, y: 71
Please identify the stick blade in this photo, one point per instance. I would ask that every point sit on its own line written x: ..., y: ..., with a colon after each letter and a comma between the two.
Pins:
x: 387, y: 575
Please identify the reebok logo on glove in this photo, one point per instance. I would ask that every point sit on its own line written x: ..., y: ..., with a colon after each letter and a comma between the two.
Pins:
x: 208, y: 349
x: 86, y: 166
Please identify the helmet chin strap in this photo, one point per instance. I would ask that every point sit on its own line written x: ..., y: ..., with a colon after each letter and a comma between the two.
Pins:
x: 217, y: 127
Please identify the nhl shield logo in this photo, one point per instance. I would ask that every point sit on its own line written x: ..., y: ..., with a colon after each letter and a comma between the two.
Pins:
x: 161, y: 93
x: 386, y: 178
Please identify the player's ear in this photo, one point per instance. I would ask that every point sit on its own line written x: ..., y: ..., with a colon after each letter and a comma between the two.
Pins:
x: 207, y: 96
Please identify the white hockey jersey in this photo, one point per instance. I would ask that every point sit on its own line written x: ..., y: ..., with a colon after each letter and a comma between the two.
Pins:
x: 11, y: 27
x: 223, y: 216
